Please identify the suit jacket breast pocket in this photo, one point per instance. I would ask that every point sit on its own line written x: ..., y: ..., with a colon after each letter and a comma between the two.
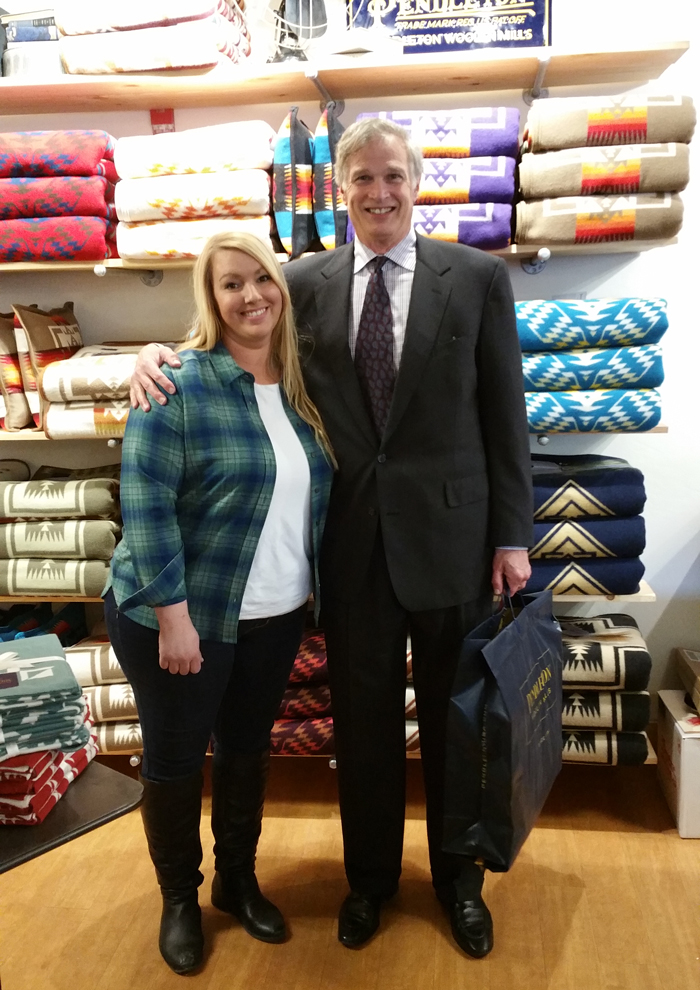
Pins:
x: 464, y: 491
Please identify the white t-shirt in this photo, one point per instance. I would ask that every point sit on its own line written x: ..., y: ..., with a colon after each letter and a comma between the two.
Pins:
x: 280, y: 578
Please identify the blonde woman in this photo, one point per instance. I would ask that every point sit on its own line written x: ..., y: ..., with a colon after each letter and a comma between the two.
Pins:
x: 224, y: 497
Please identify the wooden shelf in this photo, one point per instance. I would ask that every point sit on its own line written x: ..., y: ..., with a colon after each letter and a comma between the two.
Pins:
x: 343, y: 76
x: 23, y: 436
x: 645, y: 594
x: 43, y: 597
x: 661, y: 428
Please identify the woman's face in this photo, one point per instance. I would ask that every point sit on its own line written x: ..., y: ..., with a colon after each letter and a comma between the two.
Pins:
x: 250, y: 304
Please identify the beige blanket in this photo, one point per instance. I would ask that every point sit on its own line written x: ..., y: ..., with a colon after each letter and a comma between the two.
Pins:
x: 169, y: 239
x: 93, y: 661
x: 89, y: 377
x: 83, y: 539
x: 23, y: 576
x: 111, y: 703
x: 595, y: 219
x: 621, y: 169
x: 92, y: 498
x: 244, y: 192
x: 85, y: 420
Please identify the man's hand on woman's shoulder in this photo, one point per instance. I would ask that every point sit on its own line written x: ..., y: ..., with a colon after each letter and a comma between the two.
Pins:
x: 148, y: 379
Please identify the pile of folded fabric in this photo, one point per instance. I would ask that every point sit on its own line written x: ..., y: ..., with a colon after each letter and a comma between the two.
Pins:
x: 606, y: 668
x: 56, y: 196
x: 68, y: 624
x: 31, y: 48
x: 592, y: 365
x: 467, y: 190
x: 59, y: 535
x: 589, y: 532
x: 604, y: 169
x: 177, y: 189
x: 147, y: 35
x: 108, y: 694
x: 45, y: 729
x: 88, y: 394
x: 304, y: 725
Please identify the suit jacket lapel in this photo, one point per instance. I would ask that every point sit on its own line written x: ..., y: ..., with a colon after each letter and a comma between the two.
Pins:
x: 333, y: 301
x: 429, y: 296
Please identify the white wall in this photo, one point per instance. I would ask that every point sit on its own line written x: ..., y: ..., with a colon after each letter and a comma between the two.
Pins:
x: 120, y: 306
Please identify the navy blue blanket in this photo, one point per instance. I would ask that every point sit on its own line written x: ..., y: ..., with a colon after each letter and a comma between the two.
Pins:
x: 585, y: 486
x: 587, y: 577
x: 587, y: 539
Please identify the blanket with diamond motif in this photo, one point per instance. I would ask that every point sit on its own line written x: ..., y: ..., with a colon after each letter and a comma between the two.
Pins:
x: 567, y: 324
x: 478, y: 132
x: 63, y: 238
x: 33, y: 153
x: 57, y: 196
x: 593, y: 411
x: 597, y: 367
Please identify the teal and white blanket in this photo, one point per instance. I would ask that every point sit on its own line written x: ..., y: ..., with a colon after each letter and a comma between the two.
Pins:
x: 593, y: 411
x: 597, y: 367
x: 567, y: 324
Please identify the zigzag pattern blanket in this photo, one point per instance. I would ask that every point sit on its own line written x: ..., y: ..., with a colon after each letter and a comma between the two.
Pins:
x: 181, y: 238
x: 479, y: 132
x: 34, y: 153
x: 620, y: 711
x: 585, y: 486
x: 63, y: 238
x: 620, y: 576
x: 628, y: 749
x: 32, y: 807
x: 605, y: 120
x: 245, y: 192
x: 467, y: 180
x: 598, y: 219
x: 605, y: 171
x: 594, y: 411
x: 604, y: 652
x: 567, y: 324
x: 217, y: 148
x: 599, y: 367
x: 57, y: 196
x: 305, y: 701
x: 588, y: 539
x: 310, y: 664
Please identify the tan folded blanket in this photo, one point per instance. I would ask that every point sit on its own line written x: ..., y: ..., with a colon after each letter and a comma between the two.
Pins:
x: 93, y: 498
x: 181, y: 238
x: 89, y: 378
x: 119, y: 737
x: 24, y: 576
x: 85, y: 420
x: 595, y: 219
x: 82, y: 539
x: 599, y: 171
x: 244, y: 192
x: 574, y: 122
x: 111, y: 703
x: 93, y: 661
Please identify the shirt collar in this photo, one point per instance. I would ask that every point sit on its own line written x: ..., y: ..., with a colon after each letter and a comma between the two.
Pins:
x: 402, y: 254
x: 224, y: 365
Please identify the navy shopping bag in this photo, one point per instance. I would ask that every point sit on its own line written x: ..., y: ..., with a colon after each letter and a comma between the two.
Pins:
x: 504, y: 742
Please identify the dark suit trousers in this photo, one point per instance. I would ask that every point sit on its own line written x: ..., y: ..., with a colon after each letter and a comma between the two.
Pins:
x: 366, y: 643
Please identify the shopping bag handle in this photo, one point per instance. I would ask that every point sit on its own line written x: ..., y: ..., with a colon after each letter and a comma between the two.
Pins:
x: 507, y: 598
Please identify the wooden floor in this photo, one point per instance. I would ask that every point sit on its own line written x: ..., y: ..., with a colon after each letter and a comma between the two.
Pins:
x: 604, y: 896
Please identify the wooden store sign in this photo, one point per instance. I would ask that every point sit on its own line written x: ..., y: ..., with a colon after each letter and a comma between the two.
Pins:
x: 458, y: 25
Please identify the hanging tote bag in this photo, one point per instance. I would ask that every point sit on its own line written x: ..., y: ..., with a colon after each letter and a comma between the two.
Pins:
x: 504, y: 744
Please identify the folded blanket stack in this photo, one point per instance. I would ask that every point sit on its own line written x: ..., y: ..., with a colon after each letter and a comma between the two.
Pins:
x: 304, y: 725
x: 589, y: 533
x: 606, y: 667
x: 179, y: 188
x: 32, y: 46
x: 592, y: 365
x: 467, y: 190
x: 88, y: 395
x: 604, y: 169
x: 59, y: 536
x: 148, y: 35
x: 57, y: 196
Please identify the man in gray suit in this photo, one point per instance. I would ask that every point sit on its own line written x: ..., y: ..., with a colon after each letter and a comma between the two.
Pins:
x: 414, y: 364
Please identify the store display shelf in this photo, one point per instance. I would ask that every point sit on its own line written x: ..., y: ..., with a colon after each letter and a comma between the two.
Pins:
x: 342, y: 76
x: 43, y: 596
x: 645, y: 594
x: 23, y: 436
x: 661, y: 428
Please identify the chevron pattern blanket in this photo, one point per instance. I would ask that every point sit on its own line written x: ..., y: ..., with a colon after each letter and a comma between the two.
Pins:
x: 585, y: 486
x: 587, y: 539
x: 599, y: 367
x: 467, y: 180
x: 480, y: 132
x: 593, y: 411
x: 587, y: 577
x: 567, y: 324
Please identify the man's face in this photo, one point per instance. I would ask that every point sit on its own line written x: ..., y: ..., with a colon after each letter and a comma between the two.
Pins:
x: 379, y: 193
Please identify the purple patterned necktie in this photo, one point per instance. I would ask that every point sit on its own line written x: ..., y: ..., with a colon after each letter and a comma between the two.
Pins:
x: 374, y: 349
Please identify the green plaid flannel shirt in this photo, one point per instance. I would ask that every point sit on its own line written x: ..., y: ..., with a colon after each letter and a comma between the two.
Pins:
x: 197, y: 480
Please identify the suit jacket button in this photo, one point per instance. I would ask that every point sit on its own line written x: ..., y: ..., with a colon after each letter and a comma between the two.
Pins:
x: 381, y: 458
x: 372, y: 512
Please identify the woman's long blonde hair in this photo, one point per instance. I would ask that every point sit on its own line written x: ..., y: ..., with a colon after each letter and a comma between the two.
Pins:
x: 207, y: 328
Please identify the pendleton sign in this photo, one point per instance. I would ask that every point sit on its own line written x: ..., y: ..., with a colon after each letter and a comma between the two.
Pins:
x: 458, y: 25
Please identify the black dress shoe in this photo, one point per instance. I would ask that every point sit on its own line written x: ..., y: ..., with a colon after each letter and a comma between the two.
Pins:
x: 358, y: 919
x: 472, y: 927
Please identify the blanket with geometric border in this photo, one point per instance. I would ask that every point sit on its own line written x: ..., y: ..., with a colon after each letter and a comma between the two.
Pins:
x: 605, y: 653
x: 618, y: 711
x: 593, y: 411
x: 588, y: 539
x: 620, y: 576
x: 567, y: 324
x: 628, y: 749
x: 593, y: 368
x: 585, y: 486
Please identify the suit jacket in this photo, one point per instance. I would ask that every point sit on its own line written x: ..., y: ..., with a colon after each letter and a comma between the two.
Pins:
x: 450, y: 479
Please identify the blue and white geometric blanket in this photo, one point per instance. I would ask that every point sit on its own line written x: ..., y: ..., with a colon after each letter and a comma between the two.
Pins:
x: 565, y: 324
x: 597, y: 367
x: 594, y: 411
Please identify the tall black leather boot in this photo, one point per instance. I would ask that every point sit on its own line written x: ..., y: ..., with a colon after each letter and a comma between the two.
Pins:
x: 238, y: 795
x: 171, y: 812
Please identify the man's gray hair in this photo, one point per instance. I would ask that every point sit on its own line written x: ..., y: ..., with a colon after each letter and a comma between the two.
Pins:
x: 362, y: 132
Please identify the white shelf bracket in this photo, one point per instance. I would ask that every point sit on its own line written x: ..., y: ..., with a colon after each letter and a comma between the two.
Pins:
x: 150, y: 277
x: 538, y: 91
x: 537, y: 263
x: 311, y: 73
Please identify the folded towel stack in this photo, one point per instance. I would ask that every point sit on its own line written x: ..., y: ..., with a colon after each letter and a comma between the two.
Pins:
x: 604, y: 169
x: 148, y: 35
x: 468, y: 185
x: 606, y: 667
x: 56, y: 196
x: 177, y: 189
x: 593, y: 365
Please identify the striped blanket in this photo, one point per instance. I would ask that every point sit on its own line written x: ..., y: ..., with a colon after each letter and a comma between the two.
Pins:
x: 625, y: 169
x: 467, y: 180
x: 585, y: 486
x: 168, y: 239
x: 594, y: 411
x: 599, y: 367
x: 479, y: 132
x: 598, y: 219
x: 245, y: 192
x: 216, y: 148
x: 620, y: 576
x: 588, y: 539
x: 61, y: 238
x: 566, y: 324
x: 609, y: 120
x: 34, y: 153
x: 31, y: 807
x: 57, y: 196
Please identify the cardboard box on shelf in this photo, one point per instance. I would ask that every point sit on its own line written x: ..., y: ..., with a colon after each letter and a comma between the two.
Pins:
x: 688, y: 667
x: 678, y: 747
